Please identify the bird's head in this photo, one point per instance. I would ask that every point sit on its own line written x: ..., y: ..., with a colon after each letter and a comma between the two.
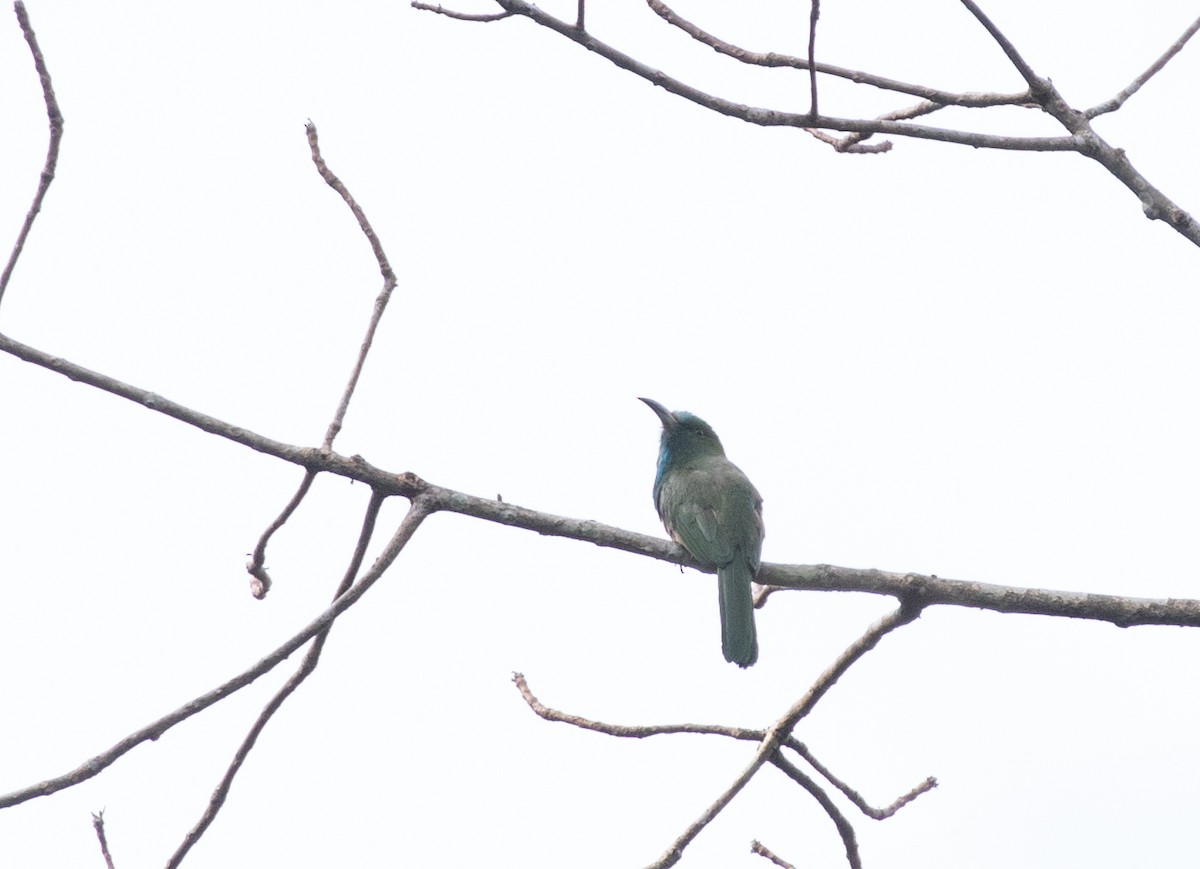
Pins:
x: 684, y: 435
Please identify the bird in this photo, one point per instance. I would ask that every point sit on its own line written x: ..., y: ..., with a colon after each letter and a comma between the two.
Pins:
x: 711, y: 508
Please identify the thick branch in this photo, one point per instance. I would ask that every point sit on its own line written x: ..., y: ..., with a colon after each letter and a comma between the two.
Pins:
x: 1121, y: 611
x: 260, y: 582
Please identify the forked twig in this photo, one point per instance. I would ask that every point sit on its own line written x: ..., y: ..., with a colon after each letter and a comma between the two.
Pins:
x: 770, y: 742
x: 782, y: 728
x: 260, y: 582
x: 1041, y: 92
x: 772, y: 117
x: 747, y: 734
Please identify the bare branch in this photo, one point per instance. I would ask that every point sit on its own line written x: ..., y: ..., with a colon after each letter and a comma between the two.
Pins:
x: 1120, y: 610
x: 98, y: 826
x: 743, y: 733
x: 844, y: 828
x: 813, y: 15
x: 771, y: 59
x: 1082, y: 138
x: 853, y: 795
x: 850, y: 144
x: 625, y: 730
x: 782, y: 728
x: 772, y: 118
x: 260, y: 582
x: 305, y: 457
x: 56, y: 131
x: 385, y: 268
x: 910, y: 609
x: 1136, y: 85
x: 1036, y: 83
x: 1155, y: 205
x: 90, y: 768
x: 844, y: 144
x: 413, y: 518
x: 461, y: 16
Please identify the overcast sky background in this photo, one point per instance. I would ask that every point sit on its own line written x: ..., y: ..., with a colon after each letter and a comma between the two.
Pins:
x: 944, y: 360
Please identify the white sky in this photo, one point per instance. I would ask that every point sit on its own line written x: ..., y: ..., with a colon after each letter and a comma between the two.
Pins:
x: 969, y: 363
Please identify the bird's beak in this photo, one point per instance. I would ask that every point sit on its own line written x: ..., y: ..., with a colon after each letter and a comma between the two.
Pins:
x: 669, y: 422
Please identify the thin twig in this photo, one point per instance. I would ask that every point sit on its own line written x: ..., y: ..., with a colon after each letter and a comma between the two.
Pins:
x: 88, y: 769
x: 626, y: 730
x: 260, y: 582
x: 757, y: 847
x: 1036, y: 83
x: 408, y: 526
x: 461, y: 16
x: 845, y: 145
x: 56, y: 131
x: 852, y: 142
x: 771, y: 59
x: 98, y: 826
x: 844, y: 827
x: 813, y: 15
x: 385, y: 268
x: 747, y: 734
x: 1136, y: 85
x: 851, y: 794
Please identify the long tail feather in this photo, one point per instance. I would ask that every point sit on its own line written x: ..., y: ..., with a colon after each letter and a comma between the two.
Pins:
x: 739, y: 640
